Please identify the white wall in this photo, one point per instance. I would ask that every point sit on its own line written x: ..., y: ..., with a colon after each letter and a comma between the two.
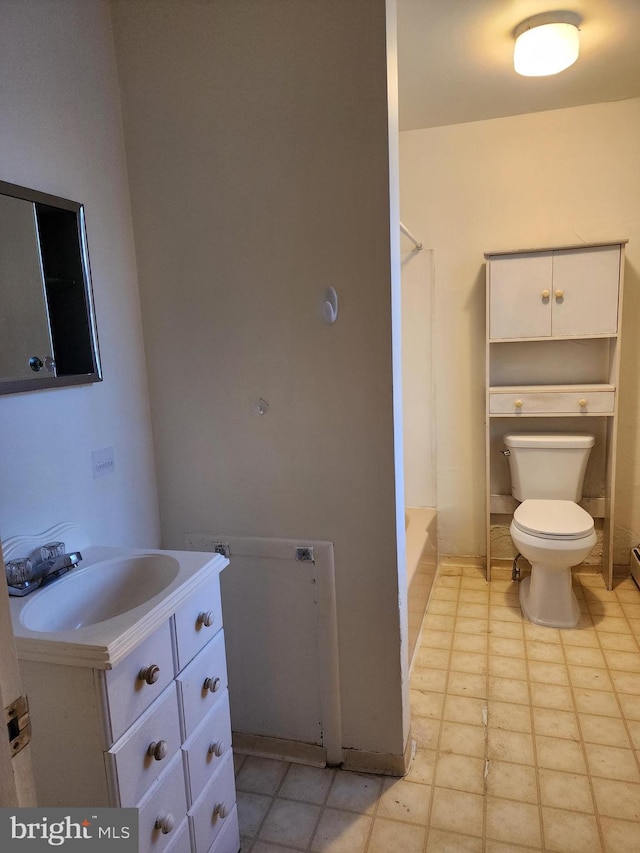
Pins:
x: 259, y: 161
x: 60, y: 132
x: 417, y: 376
x: 543, y: 179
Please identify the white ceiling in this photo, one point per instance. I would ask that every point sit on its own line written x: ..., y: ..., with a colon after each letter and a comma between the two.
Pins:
x: 455, y: 59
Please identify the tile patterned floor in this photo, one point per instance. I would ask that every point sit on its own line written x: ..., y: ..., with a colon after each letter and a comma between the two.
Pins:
x: 526, y: 739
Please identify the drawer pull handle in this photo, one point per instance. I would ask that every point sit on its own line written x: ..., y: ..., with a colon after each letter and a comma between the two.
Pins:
x: 165, y: 823
x: 518, y: 404
x: 582, y: 402
x: 150, y: 674
x: 220, y: 810
x: 545, y: 294
x: 216, y: 748
x: 157, y: 750
x: 206, y: 618
x: 212, y: 684
x: 559, y: 294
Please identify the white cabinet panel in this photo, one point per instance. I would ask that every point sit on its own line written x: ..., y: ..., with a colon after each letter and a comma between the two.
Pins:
x: 202, y: 682
x: 214, y: 807
x: 552, y: 402
x: 198, y: 621
x: 208, y: 747
x: 163, y: 809
x: 518, y: 307
x: 588, y: 282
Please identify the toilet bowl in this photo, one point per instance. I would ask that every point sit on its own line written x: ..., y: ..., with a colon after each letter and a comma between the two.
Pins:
x: 553, y: 535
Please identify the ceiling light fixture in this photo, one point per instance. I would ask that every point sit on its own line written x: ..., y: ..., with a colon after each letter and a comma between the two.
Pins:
x: 546, y: 44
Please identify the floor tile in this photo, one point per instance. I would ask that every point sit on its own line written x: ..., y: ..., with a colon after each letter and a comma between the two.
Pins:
x: 422, y: 766
x: 457, y: 811
x: 570, y: 832
x: 596, y: 702
x: 557, y: 754
x: 551, y: 696
x: 441, y: 841
x: 516, y: 747
x: 341, y: 832
x: 509, y: 715
x: 251, y: 811
x: 467, y: 684
x: 548, y: 673
x: 513, y: 822
x: 606, y: 730
x: 512, y: 781
x: 508, y: 690
x: 261, y: 775
x: 355, y: 792
x: 571, y: 790
x: 611, y: 762
x: 546, y: 652
x: 555, y: 723
x: 290, y: 823
x: 468, y: 661
x: 391, y: 837
x: 460, y: 772
x: 429, y: 679
x: 589, y: 678
x: 464, y: 642
x: 426, y: 703
x: 309, y: 784
x: 620, y: 836
x: 463, y: 739
x: 405, y: 801
x: 505, y: 667
x: 617, y: 799
x: 464, y: 709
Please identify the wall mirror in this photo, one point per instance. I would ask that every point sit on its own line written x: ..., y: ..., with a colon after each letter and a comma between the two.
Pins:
x: 47, y: 323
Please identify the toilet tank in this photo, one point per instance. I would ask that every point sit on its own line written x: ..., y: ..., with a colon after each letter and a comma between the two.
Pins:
x: 548, y: 465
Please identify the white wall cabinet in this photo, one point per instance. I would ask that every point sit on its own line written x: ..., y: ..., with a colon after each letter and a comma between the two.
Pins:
x: 154, y: 733
x: 552, y: 360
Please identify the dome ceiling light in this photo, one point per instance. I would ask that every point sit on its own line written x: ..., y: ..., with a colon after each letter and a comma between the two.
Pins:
x: 546, y: 44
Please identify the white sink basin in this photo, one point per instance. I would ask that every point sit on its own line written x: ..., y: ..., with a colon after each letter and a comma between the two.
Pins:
x: 100, y: 591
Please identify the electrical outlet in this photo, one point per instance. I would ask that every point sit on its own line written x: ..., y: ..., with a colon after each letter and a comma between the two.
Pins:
x: 103, y: 462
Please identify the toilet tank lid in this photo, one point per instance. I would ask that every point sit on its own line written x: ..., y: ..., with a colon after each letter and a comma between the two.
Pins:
x: 549, y: 439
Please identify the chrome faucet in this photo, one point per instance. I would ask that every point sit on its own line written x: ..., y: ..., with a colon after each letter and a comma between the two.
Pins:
x: 24, y: 577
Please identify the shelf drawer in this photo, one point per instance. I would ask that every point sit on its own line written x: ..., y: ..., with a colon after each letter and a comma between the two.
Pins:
x: 165, y: 805
x: 129, y: 694
x: 202, y: 683
x: 197, y: 621
x: 215, y: 807
x: 552, y: 402
x: 133, y: 768
x: 208, y: 747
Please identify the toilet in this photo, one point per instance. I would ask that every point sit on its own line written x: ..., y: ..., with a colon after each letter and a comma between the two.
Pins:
x: 549, y: 528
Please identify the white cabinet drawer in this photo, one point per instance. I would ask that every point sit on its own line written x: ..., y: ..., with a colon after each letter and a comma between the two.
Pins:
x: 543, y: 402
x: 197, y: 621
x: 180, y: 839
x: 228, y: 839
x: 165, y: 805
x: 140, y: 678
x: 214, y: 807
x: 202, y: 682
x: 157, y: 732
x: 207, y: 747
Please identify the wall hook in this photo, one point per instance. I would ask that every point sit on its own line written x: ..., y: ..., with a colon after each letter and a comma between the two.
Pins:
x: 330, y: 307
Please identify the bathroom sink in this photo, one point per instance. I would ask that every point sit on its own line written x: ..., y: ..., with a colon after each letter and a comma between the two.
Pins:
x: 98, y: 592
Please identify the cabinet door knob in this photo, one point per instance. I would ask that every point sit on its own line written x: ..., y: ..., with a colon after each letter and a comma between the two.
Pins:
x: 582, y: 402
x: 149, y: 674
x: 518, y: 404
x: 545, y: 294
x: 559, y: 294
x: 216, y: 748
x: 165, y: 823
x: 220, y: 810
x: 206, y: 618
x: 157, y: 750
x: 212, y: 684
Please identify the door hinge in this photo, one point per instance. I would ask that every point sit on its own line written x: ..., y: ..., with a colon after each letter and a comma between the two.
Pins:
x: 18, y: 724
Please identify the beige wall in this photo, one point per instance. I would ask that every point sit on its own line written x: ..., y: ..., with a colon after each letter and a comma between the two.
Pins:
x: 259, y: 162
x: 544, y: 179
x: 61, y: 133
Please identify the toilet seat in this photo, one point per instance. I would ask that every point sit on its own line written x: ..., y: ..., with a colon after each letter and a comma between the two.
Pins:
x: 552, y: 519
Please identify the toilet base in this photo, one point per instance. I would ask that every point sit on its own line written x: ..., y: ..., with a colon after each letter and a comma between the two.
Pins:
x: 547, y: 598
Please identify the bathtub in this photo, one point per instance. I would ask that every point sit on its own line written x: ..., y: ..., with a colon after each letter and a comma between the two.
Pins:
x: 421, y: 528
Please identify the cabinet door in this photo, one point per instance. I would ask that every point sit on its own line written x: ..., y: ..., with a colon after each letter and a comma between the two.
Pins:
x: 587, y: 280
x: 520, y: 296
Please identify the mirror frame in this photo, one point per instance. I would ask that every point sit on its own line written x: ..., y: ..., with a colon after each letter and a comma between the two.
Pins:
x: 12, y: 386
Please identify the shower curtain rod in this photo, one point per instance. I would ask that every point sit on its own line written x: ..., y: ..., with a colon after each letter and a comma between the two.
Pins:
x: 408, y: 234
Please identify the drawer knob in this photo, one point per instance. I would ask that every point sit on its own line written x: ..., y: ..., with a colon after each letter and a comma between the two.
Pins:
x: 165, y: 823
x: 220, y: 810
x: 582, y: 402
x: 216, y: 748
x: 518, y: 404
x: 206, y: 618
x: 212, y: 684
x: 157, y: 750
x: 150, y: 674
x: 545, y: 294
x: 559, y: 294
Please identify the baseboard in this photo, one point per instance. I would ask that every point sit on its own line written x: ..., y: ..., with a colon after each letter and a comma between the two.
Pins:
x: 274, y: 747
x: 379, y: 763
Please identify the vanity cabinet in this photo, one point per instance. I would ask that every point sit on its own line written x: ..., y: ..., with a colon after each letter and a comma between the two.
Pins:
x: 552, y: 357
x: 153, y: 732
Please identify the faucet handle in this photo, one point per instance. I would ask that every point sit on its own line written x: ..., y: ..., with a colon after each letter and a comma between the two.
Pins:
x: 52, y: 550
